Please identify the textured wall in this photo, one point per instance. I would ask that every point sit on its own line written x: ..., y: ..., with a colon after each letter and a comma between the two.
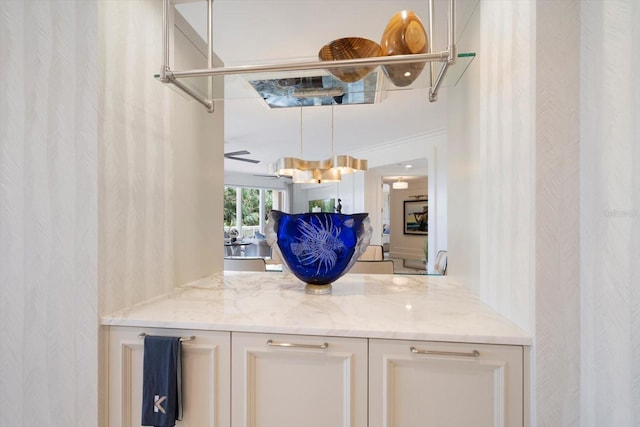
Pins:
x: 491, y: 160
x: 135, y: 167
x: 464, y: 166
x: 557, y: 302
x: 160, y: 163
x: 506, y: 151
x: 198, y: 166
x: 82, y: 119
x: 610, y: 214
x: 587, y: 231
x: 48, y: 214
x: 582, y: 303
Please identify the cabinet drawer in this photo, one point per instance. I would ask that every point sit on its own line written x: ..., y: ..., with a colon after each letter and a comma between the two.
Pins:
x: 205, y: 376
x: 429, y: 384
x: 294, y: 380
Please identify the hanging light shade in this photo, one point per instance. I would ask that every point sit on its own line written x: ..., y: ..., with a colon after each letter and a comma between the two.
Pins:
x: 286, y: 166
x: 319, y: 171
x: 400, y: 185
x: 348, y: 164
x: 299, y: 176
x: 327, y: 175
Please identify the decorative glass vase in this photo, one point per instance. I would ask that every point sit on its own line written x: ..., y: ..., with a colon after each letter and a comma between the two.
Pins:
x: 404, y: 35
x: 319, y: 247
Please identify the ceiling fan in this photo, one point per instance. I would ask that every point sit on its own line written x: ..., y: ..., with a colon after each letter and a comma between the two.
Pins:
x: 233, y: 156
x: 274, y: 176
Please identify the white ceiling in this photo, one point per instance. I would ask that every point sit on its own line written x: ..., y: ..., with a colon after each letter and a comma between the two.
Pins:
x: 268, y: 31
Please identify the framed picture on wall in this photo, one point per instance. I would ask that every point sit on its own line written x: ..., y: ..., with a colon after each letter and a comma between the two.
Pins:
x: 416, y: 217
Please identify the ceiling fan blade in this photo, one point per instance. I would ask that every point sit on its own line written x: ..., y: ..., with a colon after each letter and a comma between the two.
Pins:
x: 242, y: 159
x: 237, y: 153
x: 274, y: 176
x: 232, y: 155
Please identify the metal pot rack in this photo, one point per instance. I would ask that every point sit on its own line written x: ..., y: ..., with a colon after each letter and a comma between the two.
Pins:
x: 168, y: 76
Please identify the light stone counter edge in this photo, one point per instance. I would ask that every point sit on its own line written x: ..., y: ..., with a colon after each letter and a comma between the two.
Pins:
x: 363, y: 306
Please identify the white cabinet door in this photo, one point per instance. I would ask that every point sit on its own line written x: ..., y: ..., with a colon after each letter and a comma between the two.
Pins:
x: 430, y: 384
x: 294, y: 381
x: 205, y: 376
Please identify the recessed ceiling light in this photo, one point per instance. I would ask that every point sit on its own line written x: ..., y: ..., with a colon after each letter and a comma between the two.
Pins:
x: 408, y: 166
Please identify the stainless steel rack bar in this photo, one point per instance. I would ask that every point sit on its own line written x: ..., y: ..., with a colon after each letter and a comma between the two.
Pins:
x: 312, y: 65
x: 447, y: 58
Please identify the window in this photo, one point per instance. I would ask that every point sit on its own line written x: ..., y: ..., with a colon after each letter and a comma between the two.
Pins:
x: 246, y: 209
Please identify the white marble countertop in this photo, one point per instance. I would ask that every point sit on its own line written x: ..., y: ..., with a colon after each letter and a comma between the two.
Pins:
x: 369, y: 306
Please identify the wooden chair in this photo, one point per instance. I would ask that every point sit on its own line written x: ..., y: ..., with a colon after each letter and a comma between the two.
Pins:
x: 244, y: 264
x: 372, y: 267
x: 440, y: 265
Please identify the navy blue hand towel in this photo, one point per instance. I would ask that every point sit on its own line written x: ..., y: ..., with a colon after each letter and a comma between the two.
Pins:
x: 161, y: 381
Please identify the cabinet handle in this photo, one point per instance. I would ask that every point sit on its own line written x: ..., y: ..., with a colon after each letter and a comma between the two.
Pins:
x: 272, y: 343
x: 182, y: 339
x: 474, y: 353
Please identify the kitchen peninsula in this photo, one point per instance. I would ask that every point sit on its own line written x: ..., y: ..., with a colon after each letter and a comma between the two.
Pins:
x: 380, y: 347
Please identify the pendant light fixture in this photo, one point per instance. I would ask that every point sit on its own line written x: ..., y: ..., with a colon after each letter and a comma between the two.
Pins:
x: 318, y: 171
x: 400, y: 184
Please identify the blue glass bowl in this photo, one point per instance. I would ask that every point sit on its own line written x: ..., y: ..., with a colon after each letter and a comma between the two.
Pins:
x: 318, y: 248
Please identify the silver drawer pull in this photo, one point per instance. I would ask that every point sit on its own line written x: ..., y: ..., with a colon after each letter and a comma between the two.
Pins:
x: 272, y: 343
x: 474, y: 353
